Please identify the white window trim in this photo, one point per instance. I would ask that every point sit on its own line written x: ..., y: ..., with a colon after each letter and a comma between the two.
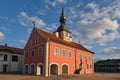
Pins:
x: 70, y: 52
x: 58, y: 54
x: 42, y: 51
x: 65, y: 52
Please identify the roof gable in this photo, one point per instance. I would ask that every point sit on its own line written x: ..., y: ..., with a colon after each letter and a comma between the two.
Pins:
x: 34, y: 34
x: 59, y: 40
x: 11, y: 49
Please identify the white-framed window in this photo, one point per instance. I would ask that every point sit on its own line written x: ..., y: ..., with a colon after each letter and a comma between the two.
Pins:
x: 14, y: 58
x: 89, y: 58
x: 80, y: 56
x: 40, y: 50
x: 90, y: 66
x: 69, y: 54
x: 3, y: 57
x: 37, y: 40
x: 26, y: 54
x: 63, y: 53
x: 85, y: 58
x: 56, y: 51
x: 31, y: 43
x: 33, y: 54
x: 87, y: 66
x: 33, y: 33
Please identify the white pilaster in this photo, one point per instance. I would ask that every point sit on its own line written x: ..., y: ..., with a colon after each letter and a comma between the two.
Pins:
x: 46, y: 58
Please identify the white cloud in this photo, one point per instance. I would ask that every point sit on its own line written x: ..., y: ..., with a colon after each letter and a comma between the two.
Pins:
x: 26, y: 20
x: 100, y: 31
x: 88, y: 47
x: 3, y: 28
x: 3, y: 18
x: 55, y: 2
x: 98, y: 25
x: 92, y: 5
x: 110, y: 50
x: 1, y: 36
x: 22, y: 42
x: 51, y: 27
x: 42, y: 11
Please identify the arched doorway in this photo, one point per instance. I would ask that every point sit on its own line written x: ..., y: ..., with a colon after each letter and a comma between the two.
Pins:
x: 5, y: 68
x: 39, y: 69
x: 26, y: 69
x: 54, y: 69
x: 64, y: 69
x: 32, y: 69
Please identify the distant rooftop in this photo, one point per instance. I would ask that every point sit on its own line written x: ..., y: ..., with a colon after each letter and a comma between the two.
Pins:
x: 11, y: 49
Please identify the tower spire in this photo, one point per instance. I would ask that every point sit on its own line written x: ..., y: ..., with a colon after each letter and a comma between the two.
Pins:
x: 62, y: 17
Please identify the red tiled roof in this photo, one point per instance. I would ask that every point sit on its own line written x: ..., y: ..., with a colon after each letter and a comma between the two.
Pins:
x: 59, y: 40
x: 11, y: 49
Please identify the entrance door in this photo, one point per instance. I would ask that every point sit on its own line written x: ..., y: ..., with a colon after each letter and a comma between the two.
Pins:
x: 64, y: 69
x: 54, y: 69
x: 4, y: 68
x: 40, y: 70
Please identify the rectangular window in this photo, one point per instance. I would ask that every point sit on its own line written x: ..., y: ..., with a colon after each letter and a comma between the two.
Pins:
x: 26, y: 54
x: 40, y: 51
x: 14, y: 58
x: 56, y: 51
x: 87, y: 66
x: 90, y: 66
x: 69, y: 54
x: 36, y: 40
x: 85, y: 58
x: 33, y: 34
x: 32, y: 53
x: 89, y: 58
x: 80, y: 56
x: 63, y: 53
x: 3, y: 57
x: 30, y: 43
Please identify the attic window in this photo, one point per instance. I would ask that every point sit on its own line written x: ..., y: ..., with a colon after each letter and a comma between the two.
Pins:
x: 33, y: 34
x: 36, y: 40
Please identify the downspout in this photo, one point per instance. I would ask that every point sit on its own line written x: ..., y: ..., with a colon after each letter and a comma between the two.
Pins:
x: 75, y: 59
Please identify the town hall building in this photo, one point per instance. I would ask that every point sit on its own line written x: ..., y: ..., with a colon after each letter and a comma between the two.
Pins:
x: 56, y: 54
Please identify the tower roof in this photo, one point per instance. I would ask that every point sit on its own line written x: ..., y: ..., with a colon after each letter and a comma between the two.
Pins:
x: 63, y: 20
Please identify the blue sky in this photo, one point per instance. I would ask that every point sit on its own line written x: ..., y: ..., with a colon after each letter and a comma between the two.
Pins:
x: 96, y: 23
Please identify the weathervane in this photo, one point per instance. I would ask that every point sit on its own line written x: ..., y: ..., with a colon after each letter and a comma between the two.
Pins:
x: 34, y: 23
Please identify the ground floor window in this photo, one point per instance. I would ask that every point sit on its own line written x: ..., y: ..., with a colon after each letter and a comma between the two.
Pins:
x: 32, y: 69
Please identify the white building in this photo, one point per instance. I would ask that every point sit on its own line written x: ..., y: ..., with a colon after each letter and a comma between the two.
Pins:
x: 11, y: 59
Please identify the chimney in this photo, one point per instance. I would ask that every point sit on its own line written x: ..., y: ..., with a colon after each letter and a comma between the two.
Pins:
x: 5, y: 44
